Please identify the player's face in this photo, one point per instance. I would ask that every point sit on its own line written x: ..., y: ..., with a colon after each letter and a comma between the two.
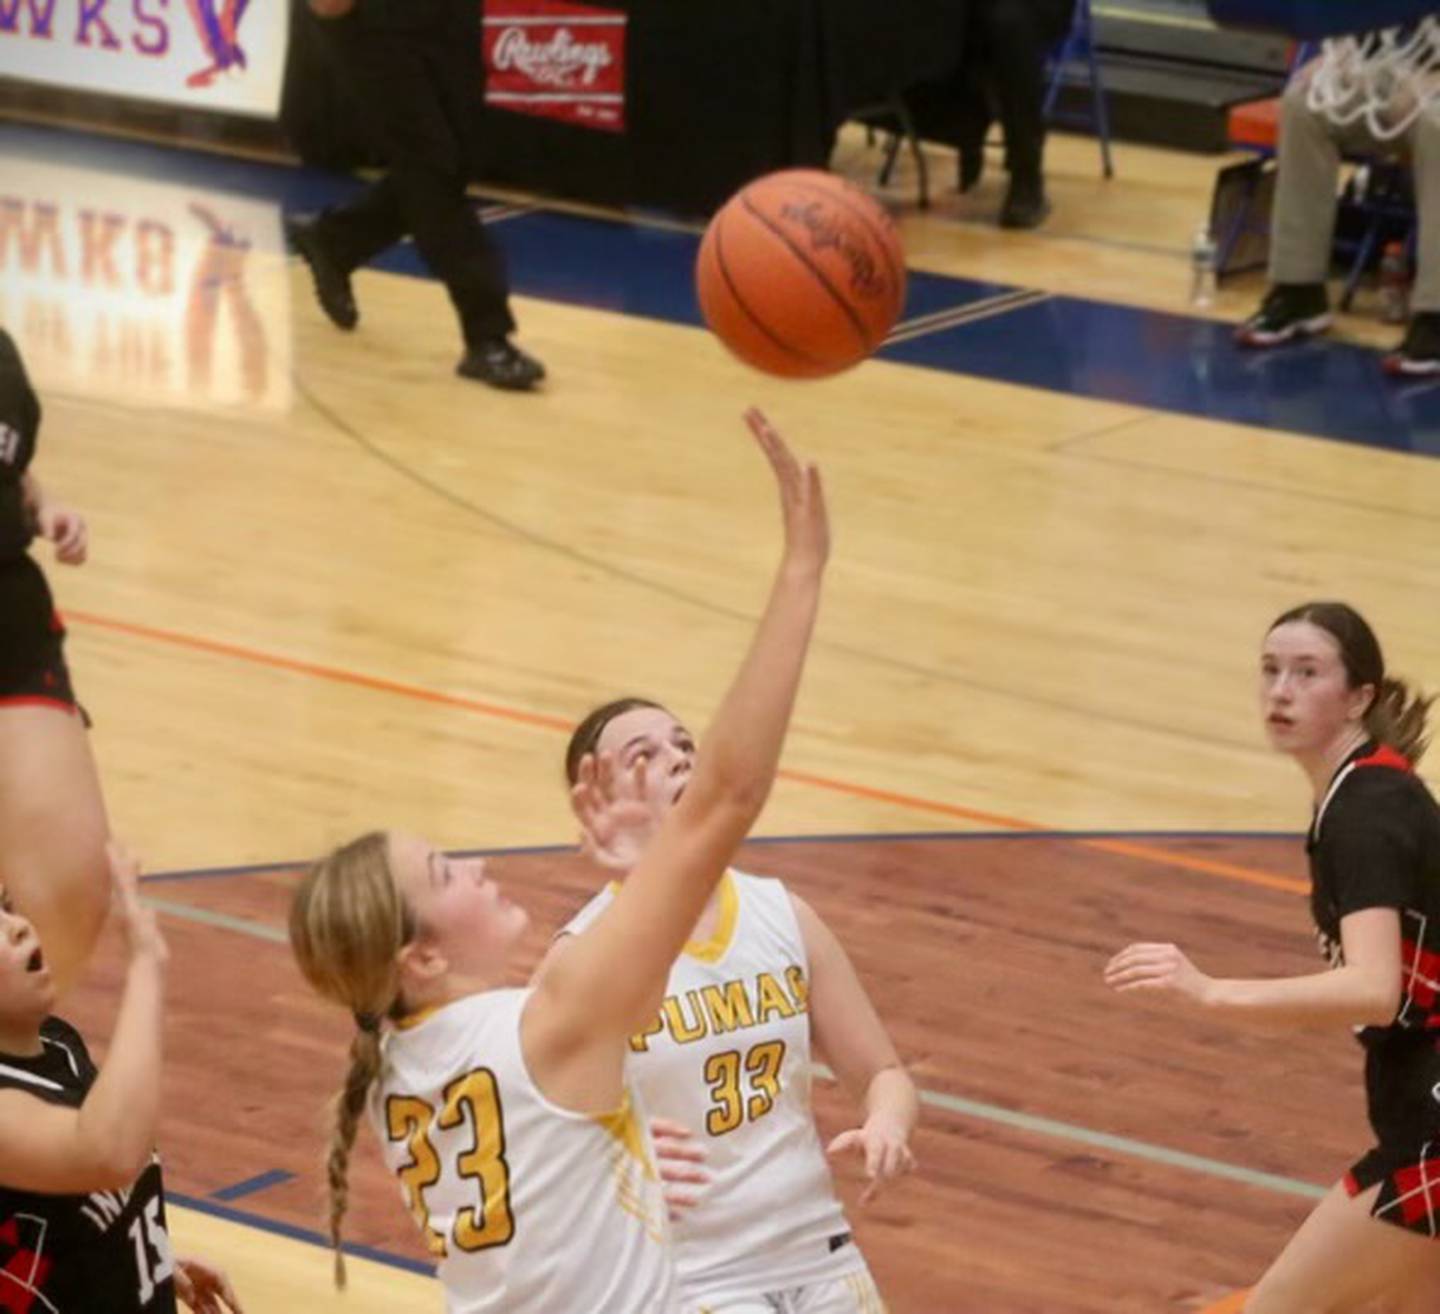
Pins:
x: 457, y: 906
x: 26, y: 990
x: 652, y: 736
x: 1305, y: 694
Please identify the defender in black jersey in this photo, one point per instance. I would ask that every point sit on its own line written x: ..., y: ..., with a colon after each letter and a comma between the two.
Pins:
x: 1375, y: 843
x: 101, y: 1252
x: 1374, y: 849
x: 82, y: 1209
x: 52, y: 816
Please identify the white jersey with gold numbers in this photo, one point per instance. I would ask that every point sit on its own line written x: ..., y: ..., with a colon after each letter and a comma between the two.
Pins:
x: 729, y: 1056
x: 526, y: 1207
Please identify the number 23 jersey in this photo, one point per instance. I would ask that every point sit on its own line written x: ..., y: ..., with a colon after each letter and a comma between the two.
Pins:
x: 729, y: 1057
x: 527, y: 1208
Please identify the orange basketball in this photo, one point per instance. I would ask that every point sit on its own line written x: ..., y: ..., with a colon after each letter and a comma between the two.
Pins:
x: 801, y: 274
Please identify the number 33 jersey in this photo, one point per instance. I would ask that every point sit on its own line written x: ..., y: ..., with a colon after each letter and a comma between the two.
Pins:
x: 729, y: 1057
x: 102, y: 1253
x: 527, y: 1208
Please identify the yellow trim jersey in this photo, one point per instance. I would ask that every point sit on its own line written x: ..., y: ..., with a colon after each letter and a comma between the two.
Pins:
x: 528, y: 1208
x: 729, y: 1056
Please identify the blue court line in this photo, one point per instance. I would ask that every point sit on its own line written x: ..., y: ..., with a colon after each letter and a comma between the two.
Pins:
x: 288, y: 1230
x: 1166, y: 362
x: 855, y: 837
x: 253, y: 1185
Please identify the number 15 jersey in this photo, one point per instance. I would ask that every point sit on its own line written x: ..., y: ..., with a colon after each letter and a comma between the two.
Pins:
x: 528, y: 1208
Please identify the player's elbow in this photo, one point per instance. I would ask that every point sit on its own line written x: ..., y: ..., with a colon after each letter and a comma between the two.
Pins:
x: 118, y: 1169
x: 110, y: 1162
x: 1380, y: 996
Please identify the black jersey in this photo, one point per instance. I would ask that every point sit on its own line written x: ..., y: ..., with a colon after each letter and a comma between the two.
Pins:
x: 103, y: 1253
x: 19, y: 427
x: 1375, y: 843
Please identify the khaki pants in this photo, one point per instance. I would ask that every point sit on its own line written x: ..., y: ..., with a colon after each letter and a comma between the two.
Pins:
x: 1302, y: 229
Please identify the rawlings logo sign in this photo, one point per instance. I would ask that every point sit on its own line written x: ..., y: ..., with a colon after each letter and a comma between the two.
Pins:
x: 557, y: 60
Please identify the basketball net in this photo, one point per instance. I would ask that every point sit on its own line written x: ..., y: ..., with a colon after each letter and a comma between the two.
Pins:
x: 1388, y: 78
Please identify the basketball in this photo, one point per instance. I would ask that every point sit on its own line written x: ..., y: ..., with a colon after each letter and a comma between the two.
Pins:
x: 801, y: 274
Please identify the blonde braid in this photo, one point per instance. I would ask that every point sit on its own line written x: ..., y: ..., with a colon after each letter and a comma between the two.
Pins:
x: 347, y: 924
x: 365, y: 1062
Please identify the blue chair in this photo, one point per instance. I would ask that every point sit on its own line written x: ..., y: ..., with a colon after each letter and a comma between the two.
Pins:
x: 1310, y: 19
x: 1387, y: 207
x: 1075, y: 63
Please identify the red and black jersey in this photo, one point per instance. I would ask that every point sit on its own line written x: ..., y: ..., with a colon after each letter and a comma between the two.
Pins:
x: 19, y: 429
x: 107, y: 1252
x: 1375, y: 843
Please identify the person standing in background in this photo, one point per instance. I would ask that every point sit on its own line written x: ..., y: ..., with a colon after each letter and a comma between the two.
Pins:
x: 414, y: 70
x: 1003, y: 75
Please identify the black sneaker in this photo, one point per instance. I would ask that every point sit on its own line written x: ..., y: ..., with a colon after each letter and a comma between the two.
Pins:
x: 1025, y: 204
x: 332, y: 284
x: 501, y: 364
x: 1419, y: 354
x: 1289, y: 311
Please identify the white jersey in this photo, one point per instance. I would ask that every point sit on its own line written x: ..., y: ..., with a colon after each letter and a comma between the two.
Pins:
x: 528, y: 1208
x: 729, y: 1056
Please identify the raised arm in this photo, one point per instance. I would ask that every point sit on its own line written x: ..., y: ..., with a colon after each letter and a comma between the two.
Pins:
x: 609, y: 982
x: 105, y: 1144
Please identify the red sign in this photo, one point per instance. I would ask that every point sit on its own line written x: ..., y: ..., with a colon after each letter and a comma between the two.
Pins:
x: 557, y: 60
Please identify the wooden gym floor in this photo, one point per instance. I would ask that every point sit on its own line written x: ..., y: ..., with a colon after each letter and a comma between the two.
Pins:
x: 333, y: 586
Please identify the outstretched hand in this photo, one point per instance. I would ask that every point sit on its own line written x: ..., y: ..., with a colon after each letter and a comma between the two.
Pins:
x: 142, y: 932
x: 802, y: 498
x: 617, y: 818
x: 885, y: 1149
x: 65, y: 527
x: 1162, y: 967
x: 205, y: 1290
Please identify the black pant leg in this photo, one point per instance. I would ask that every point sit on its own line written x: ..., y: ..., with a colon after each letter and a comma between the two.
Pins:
x: 459, y: 73
x: 401, y: 73
x: 357, y: 230
x: 1015, y: 71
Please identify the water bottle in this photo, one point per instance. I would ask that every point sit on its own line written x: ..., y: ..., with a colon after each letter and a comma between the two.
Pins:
x: 1394, y: 284
x: 1205, y: 268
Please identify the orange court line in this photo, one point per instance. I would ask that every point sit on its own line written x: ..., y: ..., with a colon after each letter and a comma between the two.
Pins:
x: 1232, y: 1304
x: 338, y: 675
x: 1229, y: 870
x: 333, y: 673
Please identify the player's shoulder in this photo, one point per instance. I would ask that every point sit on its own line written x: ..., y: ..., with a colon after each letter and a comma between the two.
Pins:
x: 57, y: 1032
x: 1371, y: 785
x: 584, y: 918
x: 767, y: 901
x: 62, y: 1070
x: 745, y: 882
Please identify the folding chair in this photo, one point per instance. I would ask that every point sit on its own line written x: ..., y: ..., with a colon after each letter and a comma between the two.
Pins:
x: 1075, y: 63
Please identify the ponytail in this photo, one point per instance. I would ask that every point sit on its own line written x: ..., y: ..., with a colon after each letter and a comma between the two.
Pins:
x: 347, y: 924
x: 1397, y: 718
x: 365, y: 1060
